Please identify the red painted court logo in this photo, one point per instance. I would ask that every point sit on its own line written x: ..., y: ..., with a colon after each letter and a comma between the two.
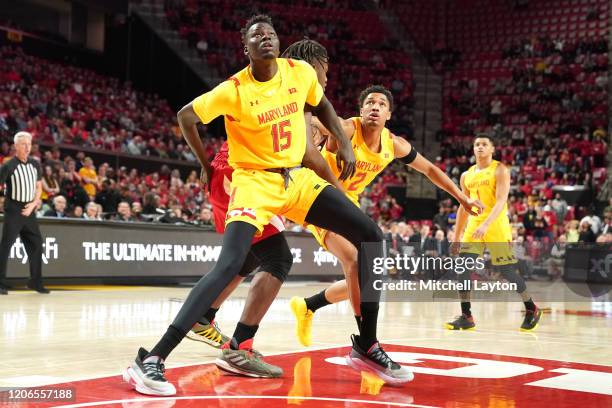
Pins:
x: 321, y: 379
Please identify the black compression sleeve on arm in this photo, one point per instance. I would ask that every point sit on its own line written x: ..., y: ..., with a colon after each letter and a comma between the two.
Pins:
x: 409, y: 158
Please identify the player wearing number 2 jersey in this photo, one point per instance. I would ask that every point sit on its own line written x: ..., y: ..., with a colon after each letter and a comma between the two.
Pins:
x: 374, y: 147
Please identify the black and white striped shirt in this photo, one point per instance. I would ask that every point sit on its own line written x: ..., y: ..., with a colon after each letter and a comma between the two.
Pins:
x: 20, y: 179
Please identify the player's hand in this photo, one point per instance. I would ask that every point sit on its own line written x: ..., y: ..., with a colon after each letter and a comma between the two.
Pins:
x: 468, y: 204
x: 480, y: 231
x: 206, y: 175
x: 454, y: 248
x: 345, y: 160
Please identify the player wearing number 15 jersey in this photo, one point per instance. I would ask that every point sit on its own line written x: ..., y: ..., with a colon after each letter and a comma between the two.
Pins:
x: 375, y: 147
x: 263, y: 107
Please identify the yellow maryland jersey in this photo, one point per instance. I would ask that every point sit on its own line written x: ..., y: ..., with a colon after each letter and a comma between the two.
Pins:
x: 368, y: 163
x: 481, y: 184
x: 264, y: 121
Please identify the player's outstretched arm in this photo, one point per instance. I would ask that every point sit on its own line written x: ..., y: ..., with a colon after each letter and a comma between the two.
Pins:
x: 187, y: 120
x: 313, y: 159
x: 502, y: 188
x: 403, y: 149
x: 345, y: 156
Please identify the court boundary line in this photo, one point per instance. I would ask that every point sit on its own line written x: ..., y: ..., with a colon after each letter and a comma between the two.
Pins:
x: 243, y: 397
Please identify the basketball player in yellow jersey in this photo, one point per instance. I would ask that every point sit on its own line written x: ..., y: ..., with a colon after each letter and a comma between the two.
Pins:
x: 374, y: 147
x: 263, y: 106
x: 489, y: 181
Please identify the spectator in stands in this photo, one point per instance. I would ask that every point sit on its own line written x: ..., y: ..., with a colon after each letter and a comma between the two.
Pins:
x: 606, y: 228
x: 77, y: 212
x: 108, y: 197
x: 586, y: 232
x: 92, y: 212
x: 205, y: 217
x: 395, y: 210
x: 136, y: 146
x: 50, y: 185
x: 424, y: 236
x: 608, y: 209
x: 556, y: 261
x: 525, y: 262
x: 441, y: 218
x: 89, y: 177
x: 496, y: 111
x: 150, y: 203
x: 594, y: 221
x: 124, y: 212
x: 59, y: 208
x: 438, y: 245
x: 174, y: 215
x: 559, y: 205
x: 413, y: 235
x: 137, y: 211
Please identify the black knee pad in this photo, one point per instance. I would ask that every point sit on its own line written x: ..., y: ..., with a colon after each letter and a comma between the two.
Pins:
x: 509, y: 273
x: 278, y: 268
x: 274, y: 256
x: 250, y: 264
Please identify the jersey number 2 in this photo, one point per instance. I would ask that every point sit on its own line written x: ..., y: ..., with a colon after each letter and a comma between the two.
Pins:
x: 281, y: 137
x: 358, y: 178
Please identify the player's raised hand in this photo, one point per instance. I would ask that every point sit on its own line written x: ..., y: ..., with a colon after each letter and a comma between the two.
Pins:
x: 468, y: 204
x: 345, y: 160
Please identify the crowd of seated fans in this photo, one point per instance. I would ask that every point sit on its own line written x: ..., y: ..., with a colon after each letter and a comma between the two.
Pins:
x: 358, y: 57
x: 76, y: 187
x: 64, y: 104
x: 549, y: 116
x: 545, y: 105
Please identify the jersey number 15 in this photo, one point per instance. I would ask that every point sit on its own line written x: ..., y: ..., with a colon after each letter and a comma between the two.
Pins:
x: 281, y: 136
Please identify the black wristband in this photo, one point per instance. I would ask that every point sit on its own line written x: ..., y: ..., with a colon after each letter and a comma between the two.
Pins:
x: 409, y: 158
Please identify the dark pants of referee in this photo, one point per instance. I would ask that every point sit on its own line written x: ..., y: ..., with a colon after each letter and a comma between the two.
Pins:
x: 16, y: 224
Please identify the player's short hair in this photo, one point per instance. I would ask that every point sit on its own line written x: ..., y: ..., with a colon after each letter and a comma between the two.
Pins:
x: 485, y: 136
x: 257, y: 18
x: 307, y: 50
x: 376, y: 89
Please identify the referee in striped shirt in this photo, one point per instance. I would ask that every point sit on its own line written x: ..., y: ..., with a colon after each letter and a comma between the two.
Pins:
x: 22, y: 176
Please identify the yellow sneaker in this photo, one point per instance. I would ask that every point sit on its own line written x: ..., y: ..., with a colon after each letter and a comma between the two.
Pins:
x: 303, y: 318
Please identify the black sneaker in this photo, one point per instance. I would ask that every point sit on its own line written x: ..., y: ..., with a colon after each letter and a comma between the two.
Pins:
x: 38, y: 287
x: 377, y: 361
x: 531, y: 320
x: 462, y: 322
x: 146, y: 375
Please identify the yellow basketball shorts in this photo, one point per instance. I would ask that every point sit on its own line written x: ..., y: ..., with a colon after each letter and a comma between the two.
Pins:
x: 257, y: 195
x: 498, y: 240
